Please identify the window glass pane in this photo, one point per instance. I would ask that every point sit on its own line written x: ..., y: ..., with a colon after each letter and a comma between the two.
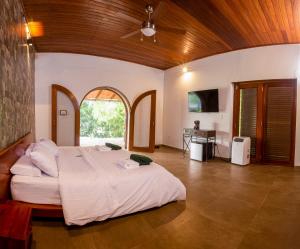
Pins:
x: 247, y: 117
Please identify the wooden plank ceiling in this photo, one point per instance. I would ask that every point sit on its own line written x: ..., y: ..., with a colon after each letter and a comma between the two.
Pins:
x: 213, y: 26
x: 103, y: 94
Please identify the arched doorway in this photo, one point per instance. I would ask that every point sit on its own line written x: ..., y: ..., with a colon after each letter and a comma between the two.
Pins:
x: 104, y: 117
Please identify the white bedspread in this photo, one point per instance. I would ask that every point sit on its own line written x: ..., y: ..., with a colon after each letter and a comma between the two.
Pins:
x: 93, y: 187
x: 39, y: 190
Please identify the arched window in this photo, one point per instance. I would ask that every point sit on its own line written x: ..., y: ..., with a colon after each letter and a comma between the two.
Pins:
x: 104, y: 117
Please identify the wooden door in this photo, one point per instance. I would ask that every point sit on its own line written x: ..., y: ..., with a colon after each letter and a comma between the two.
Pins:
x: 279, y: 122
x: 142, y: 123
x: 265, y: 111
x: 56, y: 90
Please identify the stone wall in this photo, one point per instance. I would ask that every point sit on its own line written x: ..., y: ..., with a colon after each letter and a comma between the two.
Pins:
x: 16, y: 75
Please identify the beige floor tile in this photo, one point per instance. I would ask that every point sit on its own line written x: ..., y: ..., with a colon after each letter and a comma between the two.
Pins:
x: 227, y: 207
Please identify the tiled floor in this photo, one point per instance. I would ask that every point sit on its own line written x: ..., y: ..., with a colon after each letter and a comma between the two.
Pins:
x: 227, y: 207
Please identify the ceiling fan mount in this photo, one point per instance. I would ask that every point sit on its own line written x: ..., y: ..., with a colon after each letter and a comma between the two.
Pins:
x: 149, y: 9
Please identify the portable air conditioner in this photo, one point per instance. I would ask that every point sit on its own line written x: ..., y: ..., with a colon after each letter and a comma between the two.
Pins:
x: 240, y: 152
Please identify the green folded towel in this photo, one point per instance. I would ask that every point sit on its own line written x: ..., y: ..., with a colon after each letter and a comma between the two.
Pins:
x: 142, y: 160
x: 113, y: 146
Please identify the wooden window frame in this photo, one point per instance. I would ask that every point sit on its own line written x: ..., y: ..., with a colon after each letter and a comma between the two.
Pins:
x: 58, y: 88
x: 151, y: 147
x: 130, y: 112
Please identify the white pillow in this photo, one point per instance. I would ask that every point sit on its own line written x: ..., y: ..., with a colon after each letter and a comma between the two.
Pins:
x: 49, y: 145
x: 44, y: 160
x: 24, y: 167
x: 29, y: 149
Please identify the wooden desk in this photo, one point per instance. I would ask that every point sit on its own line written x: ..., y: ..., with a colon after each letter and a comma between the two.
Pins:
x: 204, y: 133
x: 208, y: 136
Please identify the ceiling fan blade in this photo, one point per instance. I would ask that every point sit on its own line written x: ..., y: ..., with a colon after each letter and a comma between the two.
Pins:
x: 128, y: 18
x: 158, y: 10
x: 131, y: 34
x: 171, y: 30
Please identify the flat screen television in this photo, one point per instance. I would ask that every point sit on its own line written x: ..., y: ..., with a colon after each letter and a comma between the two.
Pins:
x: 204, y: 101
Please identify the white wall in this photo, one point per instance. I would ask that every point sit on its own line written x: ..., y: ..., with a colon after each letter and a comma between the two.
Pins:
x: 81, y: 73
x: 273, y: 62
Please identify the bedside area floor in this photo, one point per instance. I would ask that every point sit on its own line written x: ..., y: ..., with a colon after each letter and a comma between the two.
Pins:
x: 227, y: 207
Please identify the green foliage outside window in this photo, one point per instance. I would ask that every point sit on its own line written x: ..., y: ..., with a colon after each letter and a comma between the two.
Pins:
x: 102, y: 119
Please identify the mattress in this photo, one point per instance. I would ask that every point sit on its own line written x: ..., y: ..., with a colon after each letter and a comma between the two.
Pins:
x: 38, y: 190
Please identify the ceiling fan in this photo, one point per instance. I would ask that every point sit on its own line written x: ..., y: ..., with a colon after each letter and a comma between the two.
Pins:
x: 149, y: 27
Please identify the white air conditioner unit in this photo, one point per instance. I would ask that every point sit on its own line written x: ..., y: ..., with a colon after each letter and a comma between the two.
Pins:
x: 240, y: 151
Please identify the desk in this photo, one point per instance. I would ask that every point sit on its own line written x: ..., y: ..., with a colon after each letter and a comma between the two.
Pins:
x: 191, y: 135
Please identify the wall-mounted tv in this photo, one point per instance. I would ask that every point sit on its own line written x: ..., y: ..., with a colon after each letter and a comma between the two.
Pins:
x: 204, y: 101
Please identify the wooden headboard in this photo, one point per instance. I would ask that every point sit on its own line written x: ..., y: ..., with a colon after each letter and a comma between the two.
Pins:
x: 8, y: 157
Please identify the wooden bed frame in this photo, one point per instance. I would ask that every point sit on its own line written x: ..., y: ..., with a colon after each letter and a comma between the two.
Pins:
x: 8, y: 157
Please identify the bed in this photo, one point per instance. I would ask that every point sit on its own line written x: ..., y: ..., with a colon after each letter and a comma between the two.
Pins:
x: 8, y: 157
x: 92, y: 187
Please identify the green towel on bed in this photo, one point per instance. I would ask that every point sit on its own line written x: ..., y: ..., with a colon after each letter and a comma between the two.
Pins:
x: 142, y: 160
x: 113, y: 146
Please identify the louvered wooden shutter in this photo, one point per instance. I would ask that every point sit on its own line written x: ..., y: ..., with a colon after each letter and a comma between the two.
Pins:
x: 278, y: 121
x: 248, y: 115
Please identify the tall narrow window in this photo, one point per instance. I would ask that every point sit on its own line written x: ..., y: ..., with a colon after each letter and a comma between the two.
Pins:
x: 247, y: 116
